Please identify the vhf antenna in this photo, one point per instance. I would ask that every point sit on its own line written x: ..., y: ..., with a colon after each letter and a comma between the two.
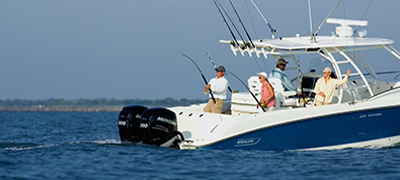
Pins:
x: 313, y: 35
x: 273, y: 31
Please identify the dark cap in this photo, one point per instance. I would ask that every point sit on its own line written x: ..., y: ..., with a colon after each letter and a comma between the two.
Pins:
x: 281, y: 61
x: 220, y: 69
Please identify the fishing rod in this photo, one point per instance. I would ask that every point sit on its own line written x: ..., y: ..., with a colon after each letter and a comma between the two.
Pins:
x: 237, y: 14
x: 215, y: 66
x: 302, y: 89
x: 226, y: 22
x: 302, y: 94
x: 233, y: 24
x: 258, y: 102
x: 273, y: 31
x: 202, y: 75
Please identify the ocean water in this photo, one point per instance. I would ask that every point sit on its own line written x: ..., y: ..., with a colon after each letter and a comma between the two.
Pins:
x: 86, y: 145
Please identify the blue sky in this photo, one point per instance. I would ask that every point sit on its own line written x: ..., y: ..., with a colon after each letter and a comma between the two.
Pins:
x: 131, y: 49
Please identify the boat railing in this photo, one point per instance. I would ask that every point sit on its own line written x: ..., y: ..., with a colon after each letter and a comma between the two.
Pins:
x: 392, y: 50
x: 338, y: 70
x: 350, y: 57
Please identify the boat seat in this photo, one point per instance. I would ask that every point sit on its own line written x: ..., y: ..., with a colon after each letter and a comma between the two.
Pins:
x: 244, y: 103
x: 283, y: 98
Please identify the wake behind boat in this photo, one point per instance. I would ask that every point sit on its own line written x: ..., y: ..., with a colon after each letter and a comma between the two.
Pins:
x: 365, y: 111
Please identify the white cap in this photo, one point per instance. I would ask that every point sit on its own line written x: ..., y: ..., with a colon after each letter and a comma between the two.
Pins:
x: 262, y: 74
x: 327, y: 69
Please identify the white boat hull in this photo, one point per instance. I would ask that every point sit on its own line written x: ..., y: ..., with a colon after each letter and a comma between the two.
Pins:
x: 372, y: 123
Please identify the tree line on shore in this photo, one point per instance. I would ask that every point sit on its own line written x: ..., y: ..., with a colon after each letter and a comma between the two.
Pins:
x: 98, y: 102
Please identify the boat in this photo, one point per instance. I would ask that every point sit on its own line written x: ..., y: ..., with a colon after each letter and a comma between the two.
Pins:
x: 365, y: 112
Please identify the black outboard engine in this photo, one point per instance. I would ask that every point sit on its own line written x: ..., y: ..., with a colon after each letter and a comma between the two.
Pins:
x: 159, y: 127
x: 129, y: 123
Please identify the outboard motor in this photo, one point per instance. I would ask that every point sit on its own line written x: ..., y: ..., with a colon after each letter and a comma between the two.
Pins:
x: 129, y: 123
x: 159, y: 127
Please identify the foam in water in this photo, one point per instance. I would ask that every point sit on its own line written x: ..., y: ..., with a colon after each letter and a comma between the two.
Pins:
x: 106, y: 141
x: 28, y: 147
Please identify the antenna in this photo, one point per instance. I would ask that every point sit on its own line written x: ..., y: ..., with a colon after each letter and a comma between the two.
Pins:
x: 319, y: 27
x: 344, y: 30
x: 309, y: 13
x: 273, y: 31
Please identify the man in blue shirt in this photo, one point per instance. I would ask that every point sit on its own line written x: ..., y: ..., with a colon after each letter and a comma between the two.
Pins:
x: 279, y: 74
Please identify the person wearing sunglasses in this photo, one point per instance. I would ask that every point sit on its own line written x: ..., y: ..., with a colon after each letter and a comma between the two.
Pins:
x: 325, y: 86
x: 267, y: 92
x: 279, y: 74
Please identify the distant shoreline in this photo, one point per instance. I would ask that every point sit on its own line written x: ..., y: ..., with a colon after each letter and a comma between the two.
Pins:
x: 88, y: 105
x: 61, y: 109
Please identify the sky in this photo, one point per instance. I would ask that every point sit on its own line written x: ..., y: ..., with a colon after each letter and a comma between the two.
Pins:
x: 128, y: 49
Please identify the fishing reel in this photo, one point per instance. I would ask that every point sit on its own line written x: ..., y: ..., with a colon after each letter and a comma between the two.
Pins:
x: 233, y: 43
x: 245, y: 45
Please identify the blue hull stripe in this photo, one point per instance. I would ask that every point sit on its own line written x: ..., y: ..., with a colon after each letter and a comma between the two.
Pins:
x: 330, y: 130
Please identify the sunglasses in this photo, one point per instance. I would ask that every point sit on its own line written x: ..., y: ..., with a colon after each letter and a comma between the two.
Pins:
x: 282, y: 64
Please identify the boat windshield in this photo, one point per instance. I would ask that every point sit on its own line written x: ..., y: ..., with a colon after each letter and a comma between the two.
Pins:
x: 317, y: 65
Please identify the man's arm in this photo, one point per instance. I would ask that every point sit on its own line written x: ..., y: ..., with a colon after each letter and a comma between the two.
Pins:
x: 343, y: 81
x: 288, y: 84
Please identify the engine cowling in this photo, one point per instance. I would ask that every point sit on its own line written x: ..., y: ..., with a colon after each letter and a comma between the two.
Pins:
x: 129, y: 123
x: 159, y: 127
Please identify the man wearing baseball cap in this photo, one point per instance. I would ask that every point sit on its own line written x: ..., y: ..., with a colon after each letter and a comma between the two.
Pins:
x: 279, y: 74
x: 218, y: 87
x: 325, y: 86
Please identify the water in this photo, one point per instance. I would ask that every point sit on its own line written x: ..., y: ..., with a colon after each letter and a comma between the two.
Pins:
x: 76, y: 145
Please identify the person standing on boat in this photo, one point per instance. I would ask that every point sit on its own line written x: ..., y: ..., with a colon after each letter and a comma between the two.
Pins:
x: 218, y: 87
x: 325, y: 87
x: 279, y: 74
x: 267, y: 92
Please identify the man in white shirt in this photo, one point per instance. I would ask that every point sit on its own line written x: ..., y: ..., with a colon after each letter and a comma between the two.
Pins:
x: 218, y: 87
x: 325, y: 87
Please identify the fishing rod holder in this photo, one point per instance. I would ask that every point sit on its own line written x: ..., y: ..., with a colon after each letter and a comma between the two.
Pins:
x: 243, y: 48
